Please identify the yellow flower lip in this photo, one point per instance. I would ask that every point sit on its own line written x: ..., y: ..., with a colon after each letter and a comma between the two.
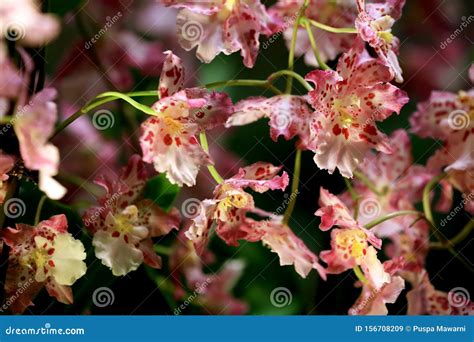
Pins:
x: 175, y: 127
x: 386, y: 35
x: 227, y: 9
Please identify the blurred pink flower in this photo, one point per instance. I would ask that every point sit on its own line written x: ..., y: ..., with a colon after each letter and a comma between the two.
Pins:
x: 449, y: 117
x: 6, y: 164
x: 33, y: 126
x: 22, y: 21
x: 213, y: 291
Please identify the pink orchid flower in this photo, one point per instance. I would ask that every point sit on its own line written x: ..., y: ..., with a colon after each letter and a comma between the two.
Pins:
x: 373, y: 301
x: 397, y: 179
x: 449, y: 117
x: 44, y: 255
x: 229, y: 208
x: 374, y: 24
x: 6, y: 164
x: 348, y: 102
x: 424, y: 299
x: 125, y: 223
x: 289, y: 116
x: 214, y: 290
x: 351, y: 244
x: 217, y: 26
x: 33, y: 126
x: 168, y: 140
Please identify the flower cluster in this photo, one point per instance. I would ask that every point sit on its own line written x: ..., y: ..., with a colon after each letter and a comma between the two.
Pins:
x: 376, y: 228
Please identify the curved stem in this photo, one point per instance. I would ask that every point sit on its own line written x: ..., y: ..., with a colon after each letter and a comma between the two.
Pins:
x: 368, y: 183
x: 355, y: 197
x: 294, y: 187
x: 360, y: 275
x: 294, y: 36
x: 332, y: 29
x: 245, y: 83
x: 390, y: 216
x: 463, y: 234
x: 129, y: 100
x: 212, y: 170
x: 103, y: 99
x: 39, y: 208
x: 84, y: 110
x: 426, y: 196
x: 293, y: 74
x: 312, y: 41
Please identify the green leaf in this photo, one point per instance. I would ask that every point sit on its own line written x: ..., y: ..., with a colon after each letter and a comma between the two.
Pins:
x: 161, y: 191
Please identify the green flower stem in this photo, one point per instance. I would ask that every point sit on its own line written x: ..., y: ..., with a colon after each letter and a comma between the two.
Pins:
x: 245, y: 83
x: 129, y: 100
x: 312, y: 41
x: 390, y: 216
x: 212, y: 170
x: 461, y: 236
x: 355, y: 197
x: 294, y: 36
x: 360, y: 275
x: 426, y: 196
x: 332, y: 29
x: 294, y: 187
x: 368, y: 183
x: 162, y: 249
x: 39, y: 208
x: 294, y: 75
x: 84, y: 110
